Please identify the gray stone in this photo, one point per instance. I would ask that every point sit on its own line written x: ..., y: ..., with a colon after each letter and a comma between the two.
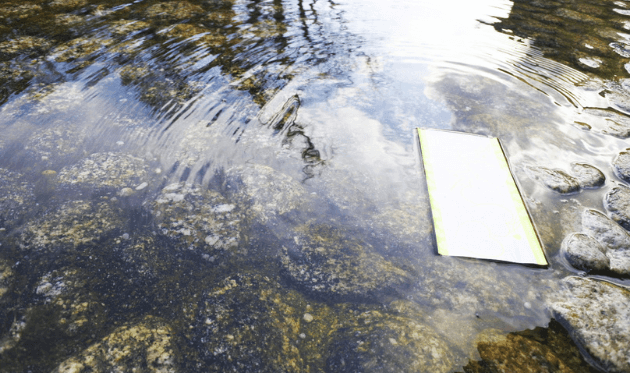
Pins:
x: 396, y: 341
x: 587, y: 176
x: 197, y: 218
x: 16, y: 198
x: 249, y: 323
x: 148, y: 345
x: 617, y: 202
x: 106, y: 170
x: 6, y: 277
x: 557, y: 180
x: 585, y: 253
x: 269, y: 193
x: 621, y: 165
x: 613, y: 237
x: 73, y: 224
x: 323, y: 261
x: 597, y: 315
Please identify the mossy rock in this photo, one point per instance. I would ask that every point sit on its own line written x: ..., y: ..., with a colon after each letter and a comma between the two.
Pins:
x: 249, y: 323
x: 323, y: 261
x: 16, y: 199
x: 396, y: 340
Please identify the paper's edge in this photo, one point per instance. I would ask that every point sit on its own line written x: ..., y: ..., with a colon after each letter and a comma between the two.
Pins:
x: 533, y: 236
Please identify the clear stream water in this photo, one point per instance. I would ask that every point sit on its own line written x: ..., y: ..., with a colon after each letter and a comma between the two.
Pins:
x: 299, y: 114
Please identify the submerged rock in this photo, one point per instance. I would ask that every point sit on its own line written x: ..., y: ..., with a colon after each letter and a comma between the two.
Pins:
x: 324, y: 262
x: 148, y: 345
x: 617, y: 202
x: 557, y: 180
x: 585, y: 253
x: 6, y: 276
x: 397, y: 341
x: 73, y: 224
x: 106, y: 170
x: 621, y: 165
x: 269, y: 192
x: 539, y: 350
x: 56, y: 142
x: 587, y: 176
x: 248, y: 323
x: 16, y: 198
x: 614, y: 239
x: 174, y: 10
x: 197, y: 218
x: 597, y: 315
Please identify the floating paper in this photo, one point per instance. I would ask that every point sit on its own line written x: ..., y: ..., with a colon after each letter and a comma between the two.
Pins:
x: 477, y: 209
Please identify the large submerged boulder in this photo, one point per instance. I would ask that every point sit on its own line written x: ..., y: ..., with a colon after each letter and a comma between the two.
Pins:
x: 323, y: 261
x: 597, y: 315
x: 122, y: 173
x: 147, y: 346
x: 196, y: 218
x: 73, y: 224
x: 16, y: 199
x: 248, y: 323
x: 394, y: 341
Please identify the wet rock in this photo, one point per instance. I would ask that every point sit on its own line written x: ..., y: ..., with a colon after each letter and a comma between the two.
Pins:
x: 621, y: 165
x: 68, y: 4
x: 16, y: 198
x: 148, y: 344
x: 540, y: 350
x: 123, y: 28
x: 23, y: 44
x: 585, y: 253
x: 73, y: 224
x: 612, y: 237
x: 248, y: 323
x: 587, y: 176
x: 557, y: 180
x: 617, y: 202
x: 19, y: 11
x: 197, y: 218
x: 71, y: 307
x: 397, y: 341
x: 81, y: 47
x: 6, y: 277
x: 269, y: 193
x: 56, y: 143
x: 605, y: 121
x: 597, y: 315
x: 324, y: 262
x: 188, y: 31
x: 173, y: 10
x: 106, y: 170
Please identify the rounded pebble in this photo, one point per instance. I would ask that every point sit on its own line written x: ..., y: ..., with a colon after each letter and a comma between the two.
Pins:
x: 621, y: 165
x: 308, y: 317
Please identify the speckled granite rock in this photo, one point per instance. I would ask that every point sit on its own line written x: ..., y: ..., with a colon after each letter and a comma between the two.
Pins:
x: 106, y: 170
x: 597, y: 315
x: 16, y: 198
x: 397, y: 341
x: 582, y: 176
x: 322, y: 261
x: 147, y: 346
x: 617, y: 202
x: 543, y: 350
x: 248, y: 323
x: 587, y: 176
x: 73, y: 224
x: 585, y: 253
x: 614, y: 239
x: 557, y: 180
x: 621, y: 165
x: 269, y: 193
x: 197, y: 218
x: 6, y: 275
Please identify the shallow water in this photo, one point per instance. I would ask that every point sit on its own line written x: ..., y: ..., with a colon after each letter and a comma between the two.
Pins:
x: 292, y: 122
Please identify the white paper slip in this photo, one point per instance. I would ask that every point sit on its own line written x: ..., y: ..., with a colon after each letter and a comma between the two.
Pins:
x: 477, y: 209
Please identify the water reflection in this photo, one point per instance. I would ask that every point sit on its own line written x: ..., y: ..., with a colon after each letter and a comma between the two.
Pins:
x: 234, y: 184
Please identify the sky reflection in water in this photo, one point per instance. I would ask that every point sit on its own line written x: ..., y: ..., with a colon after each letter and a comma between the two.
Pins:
x: 325, y: 94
